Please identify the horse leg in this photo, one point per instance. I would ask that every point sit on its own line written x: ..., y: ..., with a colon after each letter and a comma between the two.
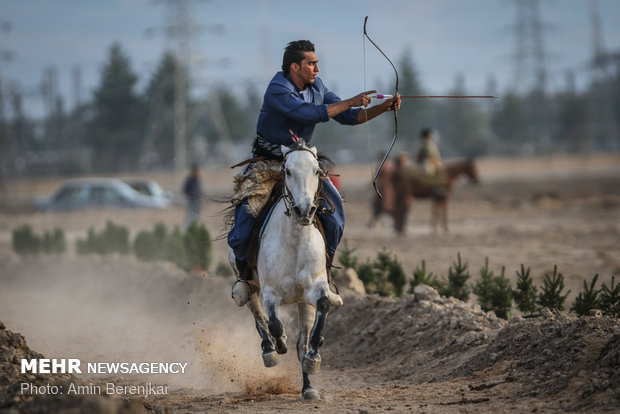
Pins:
x: 400, y: 218
x: 269, y: 354
x: 434, y: 215
x: 312, y: 360
x: 276, y: 329
x: 306, y: 319
x: 444, y: 215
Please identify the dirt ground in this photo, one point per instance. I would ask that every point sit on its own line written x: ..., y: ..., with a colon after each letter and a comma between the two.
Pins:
x: 420, y: 355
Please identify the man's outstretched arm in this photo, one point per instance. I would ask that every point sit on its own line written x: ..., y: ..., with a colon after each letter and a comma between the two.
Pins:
x: 374, y: 111
x: 339, y: 107
x: 363, y: 100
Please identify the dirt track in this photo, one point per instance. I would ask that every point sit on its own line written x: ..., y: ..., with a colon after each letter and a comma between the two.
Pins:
x: 380, y: 354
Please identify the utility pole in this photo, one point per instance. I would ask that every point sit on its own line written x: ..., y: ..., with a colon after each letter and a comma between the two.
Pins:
x: 604, y: 65
x: 530, y: 70
x: 76, y: 81
x: 179, y: 30
x: 5, y: 55
x: 3, y: 147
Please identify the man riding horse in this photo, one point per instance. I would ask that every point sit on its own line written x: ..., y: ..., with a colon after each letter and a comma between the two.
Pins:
x: 428, y: 156
x: 294, y: 102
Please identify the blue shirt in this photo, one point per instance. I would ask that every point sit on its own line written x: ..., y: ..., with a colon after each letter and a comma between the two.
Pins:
x: 284, y: 109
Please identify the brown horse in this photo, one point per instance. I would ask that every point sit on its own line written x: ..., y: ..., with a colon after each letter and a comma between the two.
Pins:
x: 408, y: 187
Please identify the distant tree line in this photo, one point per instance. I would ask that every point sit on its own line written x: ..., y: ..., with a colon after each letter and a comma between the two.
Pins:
x: 122, y: 129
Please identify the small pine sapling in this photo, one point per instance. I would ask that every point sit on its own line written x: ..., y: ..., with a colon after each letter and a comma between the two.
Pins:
x: 610, y: 299
x: 457, y: 280
x: 421, y: 277
x: 587, y: 299
x: 501, y: 300
x: 526, y: 293
x: 483, y: 287
x: 551, y: 295
x: 347, y: 258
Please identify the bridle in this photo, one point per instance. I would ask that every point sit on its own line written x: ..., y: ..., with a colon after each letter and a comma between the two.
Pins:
x: 289, y: 201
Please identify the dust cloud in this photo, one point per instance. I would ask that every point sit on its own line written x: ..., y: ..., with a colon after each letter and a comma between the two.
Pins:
x: 118, y: 309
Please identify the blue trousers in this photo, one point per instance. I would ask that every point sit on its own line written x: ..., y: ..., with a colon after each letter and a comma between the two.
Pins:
x: 333, y: 224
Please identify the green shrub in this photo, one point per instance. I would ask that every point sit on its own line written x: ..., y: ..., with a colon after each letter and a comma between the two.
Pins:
x: 396, y: 275
x: 484, y: 287
x: 494, y: 291
x: 587, y: 299
x: 501, y: 300
x: 551, y: 295
x: 526, y: 293
x: 25, y: 241
x: 610, y: 299
x: 152, y: 245
x: 144, y: 246
x: 456, y: 285
x: 175, y: 248
x: 223, y: 269
x: 54, y: 241
x: 113, y: 238
x: 421, y: 277
x: 197, y: 244
x: 347, y: 258
x: 384, y: 275
x: 366, y: 274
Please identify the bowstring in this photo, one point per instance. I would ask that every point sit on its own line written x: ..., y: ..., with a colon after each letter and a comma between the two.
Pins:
x: 365, y: 109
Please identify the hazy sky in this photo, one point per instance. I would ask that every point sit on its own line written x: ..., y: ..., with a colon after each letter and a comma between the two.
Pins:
x: 472, y: 37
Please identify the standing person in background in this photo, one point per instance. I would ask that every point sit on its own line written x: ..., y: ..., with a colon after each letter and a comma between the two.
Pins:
x: 192, y: 189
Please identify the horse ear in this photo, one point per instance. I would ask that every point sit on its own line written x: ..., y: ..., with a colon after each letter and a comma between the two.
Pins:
x: 313, y: 149
x: 284, y: 149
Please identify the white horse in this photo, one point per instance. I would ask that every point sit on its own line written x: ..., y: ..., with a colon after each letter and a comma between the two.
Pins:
x: 291, y: 266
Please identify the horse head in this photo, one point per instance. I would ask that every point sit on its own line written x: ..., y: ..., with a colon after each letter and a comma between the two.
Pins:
x: 471, y: 170
x: 302, y: 175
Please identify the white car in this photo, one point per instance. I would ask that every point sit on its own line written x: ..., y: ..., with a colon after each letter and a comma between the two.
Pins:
x: 151, y: 189
x: 88, y: 193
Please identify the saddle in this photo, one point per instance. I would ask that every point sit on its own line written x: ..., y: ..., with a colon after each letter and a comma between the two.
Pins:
x: 436, y: 184
x: 262, y: 185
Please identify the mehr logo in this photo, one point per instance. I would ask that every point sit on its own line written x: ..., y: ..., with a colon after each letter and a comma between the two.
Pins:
x: 51, y: 366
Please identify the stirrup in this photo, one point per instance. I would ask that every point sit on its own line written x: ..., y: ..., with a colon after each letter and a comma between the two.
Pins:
x: 241, y: 293
x: 334, y: 288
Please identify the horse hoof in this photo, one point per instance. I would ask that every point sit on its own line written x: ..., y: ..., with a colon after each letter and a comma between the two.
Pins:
x: 241, y: 292
x: 311, y: 394
x: 270, y: 359
x: 281, y: 346
x: 311, y: 365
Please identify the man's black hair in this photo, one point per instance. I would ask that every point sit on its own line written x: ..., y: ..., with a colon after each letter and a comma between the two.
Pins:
x: 425, y: 132
x: 294, y: 53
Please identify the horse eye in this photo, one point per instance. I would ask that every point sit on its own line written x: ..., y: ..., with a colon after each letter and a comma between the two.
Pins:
x: 287, y: 172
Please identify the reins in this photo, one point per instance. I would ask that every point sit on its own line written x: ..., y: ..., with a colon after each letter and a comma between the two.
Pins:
x: 289, y: 203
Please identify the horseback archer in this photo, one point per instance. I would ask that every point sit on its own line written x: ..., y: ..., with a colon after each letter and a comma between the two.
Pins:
x: 295, y: 101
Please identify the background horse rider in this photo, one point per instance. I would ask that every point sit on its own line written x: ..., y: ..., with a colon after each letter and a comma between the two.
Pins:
x: 428, y: 156
x: 295, y: 101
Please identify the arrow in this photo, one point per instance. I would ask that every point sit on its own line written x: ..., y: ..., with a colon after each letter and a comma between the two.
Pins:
x: 381, y: 96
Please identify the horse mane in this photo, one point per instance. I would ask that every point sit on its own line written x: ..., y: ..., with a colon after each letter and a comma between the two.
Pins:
x: 271, y: 168
x: 325, y: 162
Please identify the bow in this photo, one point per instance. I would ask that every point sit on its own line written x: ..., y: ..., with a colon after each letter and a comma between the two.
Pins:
x: 387, y: 154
